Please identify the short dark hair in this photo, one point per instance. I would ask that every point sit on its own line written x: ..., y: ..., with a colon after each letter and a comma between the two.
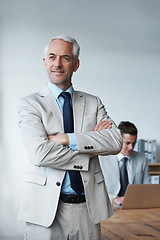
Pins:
x: 127, y: 127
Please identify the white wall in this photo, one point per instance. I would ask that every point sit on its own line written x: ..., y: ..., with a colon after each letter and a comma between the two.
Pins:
x: 120, y: 59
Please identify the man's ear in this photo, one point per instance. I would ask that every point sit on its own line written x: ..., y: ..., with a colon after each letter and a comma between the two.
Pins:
x: 44, y: 61
x: 76, y: 65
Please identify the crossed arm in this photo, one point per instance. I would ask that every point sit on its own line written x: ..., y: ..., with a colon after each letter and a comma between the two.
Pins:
x: 64, y: 139
x: 47, y: 146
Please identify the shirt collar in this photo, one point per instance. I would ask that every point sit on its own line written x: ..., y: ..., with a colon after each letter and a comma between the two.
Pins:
x: 56, y: 91
x: 120, y: 156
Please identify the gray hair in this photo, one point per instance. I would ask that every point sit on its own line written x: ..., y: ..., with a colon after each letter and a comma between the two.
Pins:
x: 76, y: 47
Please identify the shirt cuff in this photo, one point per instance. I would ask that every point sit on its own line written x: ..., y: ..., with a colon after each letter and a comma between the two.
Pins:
x: 72, y: 141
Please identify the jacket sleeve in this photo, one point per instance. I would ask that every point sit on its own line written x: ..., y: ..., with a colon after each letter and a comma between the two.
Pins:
x: 44, y: 153
x: 104, y: 142
x: 41, y: 151
x: 146, y: 176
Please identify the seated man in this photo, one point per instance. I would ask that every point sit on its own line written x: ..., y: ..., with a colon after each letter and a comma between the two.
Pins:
x: 128, y: 167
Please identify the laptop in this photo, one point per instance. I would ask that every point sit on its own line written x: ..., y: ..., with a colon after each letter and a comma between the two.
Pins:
x: 141, y: 196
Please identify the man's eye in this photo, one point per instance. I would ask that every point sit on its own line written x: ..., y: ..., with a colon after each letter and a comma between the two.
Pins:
x: 65, y: 57
x: 51, y: 57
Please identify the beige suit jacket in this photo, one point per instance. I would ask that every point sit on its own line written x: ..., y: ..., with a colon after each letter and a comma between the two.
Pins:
x: 40, y: 116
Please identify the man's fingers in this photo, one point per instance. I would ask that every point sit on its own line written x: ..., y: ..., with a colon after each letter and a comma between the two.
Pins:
x: 118, y: 200
x: 61, y: 138
x: 98, y: 125
x: 103, y: 125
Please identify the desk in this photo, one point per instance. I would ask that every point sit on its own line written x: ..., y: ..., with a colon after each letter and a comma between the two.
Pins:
x: 143, y: 224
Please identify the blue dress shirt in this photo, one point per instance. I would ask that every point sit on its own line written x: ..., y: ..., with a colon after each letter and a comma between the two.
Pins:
x: 56, y: 91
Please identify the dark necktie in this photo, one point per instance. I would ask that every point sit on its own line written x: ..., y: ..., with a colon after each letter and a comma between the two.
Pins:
x: 123, y: 177
x: 75, y: 177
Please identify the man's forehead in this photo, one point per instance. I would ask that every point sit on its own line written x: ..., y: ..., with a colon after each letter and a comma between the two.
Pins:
x: 60, y: 47
x: 129, y: 138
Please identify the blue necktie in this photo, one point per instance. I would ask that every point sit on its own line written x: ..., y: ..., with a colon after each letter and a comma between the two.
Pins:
x: 123, y: 177
x: 75, y: 177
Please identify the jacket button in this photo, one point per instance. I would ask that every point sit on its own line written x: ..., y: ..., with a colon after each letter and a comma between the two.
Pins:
x: 58, y: 183
x: 75, y: 166
x: 81, y: 167
x: 85, y: 147
x: 92, y: 147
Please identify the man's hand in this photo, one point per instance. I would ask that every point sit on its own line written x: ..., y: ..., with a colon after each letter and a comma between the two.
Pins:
x: 61, y: 138
x: 118, y: 200
x: 103, y: 125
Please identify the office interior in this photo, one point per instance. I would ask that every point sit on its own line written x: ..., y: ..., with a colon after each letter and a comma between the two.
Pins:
x: 119, y: 62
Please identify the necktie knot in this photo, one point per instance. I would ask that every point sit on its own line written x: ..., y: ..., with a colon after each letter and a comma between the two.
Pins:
x: 65, y: 95
x: 124, y: 160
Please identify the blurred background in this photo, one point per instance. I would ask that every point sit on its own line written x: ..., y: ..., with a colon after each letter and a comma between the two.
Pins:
x: 120, y: 63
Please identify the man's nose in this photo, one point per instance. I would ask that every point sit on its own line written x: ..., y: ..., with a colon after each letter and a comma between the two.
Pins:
x: 57, y: 62
x: 131, y: 147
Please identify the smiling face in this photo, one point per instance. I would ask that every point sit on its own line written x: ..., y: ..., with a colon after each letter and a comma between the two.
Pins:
x: 60, y: 63
x: 129, y: 142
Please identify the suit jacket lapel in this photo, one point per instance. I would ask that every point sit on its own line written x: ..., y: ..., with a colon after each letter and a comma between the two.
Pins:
x: 114, y: 170
x: 51, y: 102
x: 133, y: 166
x: 116, y: 167
x: 78, y: 102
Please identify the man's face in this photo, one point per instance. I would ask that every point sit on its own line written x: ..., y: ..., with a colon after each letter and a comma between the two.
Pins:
x: 60, y: 64
x: 129, y: 142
